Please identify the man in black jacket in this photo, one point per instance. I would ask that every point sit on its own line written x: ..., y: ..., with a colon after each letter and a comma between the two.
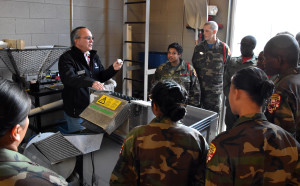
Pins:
x: 79, y: 69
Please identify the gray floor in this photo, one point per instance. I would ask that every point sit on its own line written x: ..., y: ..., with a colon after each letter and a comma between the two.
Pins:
x: 104, y: 162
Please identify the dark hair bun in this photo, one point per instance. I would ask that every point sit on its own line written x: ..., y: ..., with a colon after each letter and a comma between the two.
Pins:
x: 170, y: 98
x: 254, y: 81
x: 267, y: 89
x: 177, y: 113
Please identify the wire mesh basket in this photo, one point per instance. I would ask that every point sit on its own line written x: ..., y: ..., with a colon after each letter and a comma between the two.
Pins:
x: 30, y: 61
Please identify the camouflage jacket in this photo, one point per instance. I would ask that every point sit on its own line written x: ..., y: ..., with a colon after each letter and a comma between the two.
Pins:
x: 161, y: 153
x: 185, y: 75
x: 16, y: 169
x: 284, y: 105
x: 253, y: 152
x: 209, y: 65
x: 235, y: 64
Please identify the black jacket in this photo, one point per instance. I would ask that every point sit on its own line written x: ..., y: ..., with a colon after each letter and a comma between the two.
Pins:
x: 77, y: 77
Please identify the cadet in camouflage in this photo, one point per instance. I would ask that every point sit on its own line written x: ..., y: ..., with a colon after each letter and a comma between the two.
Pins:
x: 254, y: 151
x: 16, y: 169
x: 164, y: 152
x: 235, y: 64
x: 281, y: 55
x: 209, y: 59
x: 181, y: 72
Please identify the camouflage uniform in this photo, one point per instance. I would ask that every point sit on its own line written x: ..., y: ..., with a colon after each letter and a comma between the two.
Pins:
x: 16, y: 169
x: 161, y: 153
x: 284, y: 105
x: 235, y: 64
x: 253, y: 152
x: 209, y: 65
x: 182, y: 75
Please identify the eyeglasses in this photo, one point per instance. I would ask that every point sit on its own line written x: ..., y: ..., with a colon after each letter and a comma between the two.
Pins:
x: 87, y: 37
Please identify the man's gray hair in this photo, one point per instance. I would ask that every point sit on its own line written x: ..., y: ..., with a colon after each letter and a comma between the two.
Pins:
x: 74, y: 34
x: 213, y: 25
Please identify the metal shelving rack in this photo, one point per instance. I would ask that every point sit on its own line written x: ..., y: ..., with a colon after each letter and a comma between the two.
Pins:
x: 128, y: 68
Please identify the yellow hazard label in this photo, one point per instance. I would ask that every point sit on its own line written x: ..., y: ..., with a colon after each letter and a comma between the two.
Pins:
x: 109, y: 102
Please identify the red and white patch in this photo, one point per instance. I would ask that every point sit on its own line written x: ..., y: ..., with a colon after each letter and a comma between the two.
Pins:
x: 122, y: 146
x: 274, y: 103
x: 211, y: 152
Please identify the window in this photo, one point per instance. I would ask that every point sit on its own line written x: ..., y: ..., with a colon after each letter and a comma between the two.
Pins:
x: 263, y: 19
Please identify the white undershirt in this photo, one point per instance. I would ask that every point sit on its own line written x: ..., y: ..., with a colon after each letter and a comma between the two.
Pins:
x: 86, y: 56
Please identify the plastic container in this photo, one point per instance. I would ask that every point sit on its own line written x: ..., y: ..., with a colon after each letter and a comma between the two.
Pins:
x: 205, y: 121
x: 155, y: 58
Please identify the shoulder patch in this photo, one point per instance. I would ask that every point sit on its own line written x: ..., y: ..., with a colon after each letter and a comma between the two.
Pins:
x: 122, y: 147
x: 274, y: 103
x: 211, y: 152
x: 194, y: 72
x: 229, y: 52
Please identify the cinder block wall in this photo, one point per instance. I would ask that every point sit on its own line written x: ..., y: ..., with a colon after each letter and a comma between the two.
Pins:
x: 47, y: 22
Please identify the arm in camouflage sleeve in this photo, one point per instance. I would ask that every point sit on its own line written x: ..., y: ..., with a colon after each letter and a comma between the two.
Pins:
x: 124, y: 172
x: 199, y: 179
x: 228, y: 54
x: 17, y: 169
x: 226, y: 79
x: 296, y: 173
x: 157, y: 76
x: 218, y: 169
x: 194, y: 57
x: 194, y: 60
x: 195, y: 64
x: 195, y: 91
x: 280, y: 112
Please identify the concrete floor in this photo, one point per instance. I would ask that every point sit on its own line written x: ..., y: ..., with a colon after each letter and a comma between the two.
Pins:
x: 104, y: 163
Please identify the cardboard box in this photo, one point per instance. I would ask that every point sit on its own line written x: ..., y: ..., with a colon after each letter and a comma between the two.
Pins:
x: 18, y: 44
